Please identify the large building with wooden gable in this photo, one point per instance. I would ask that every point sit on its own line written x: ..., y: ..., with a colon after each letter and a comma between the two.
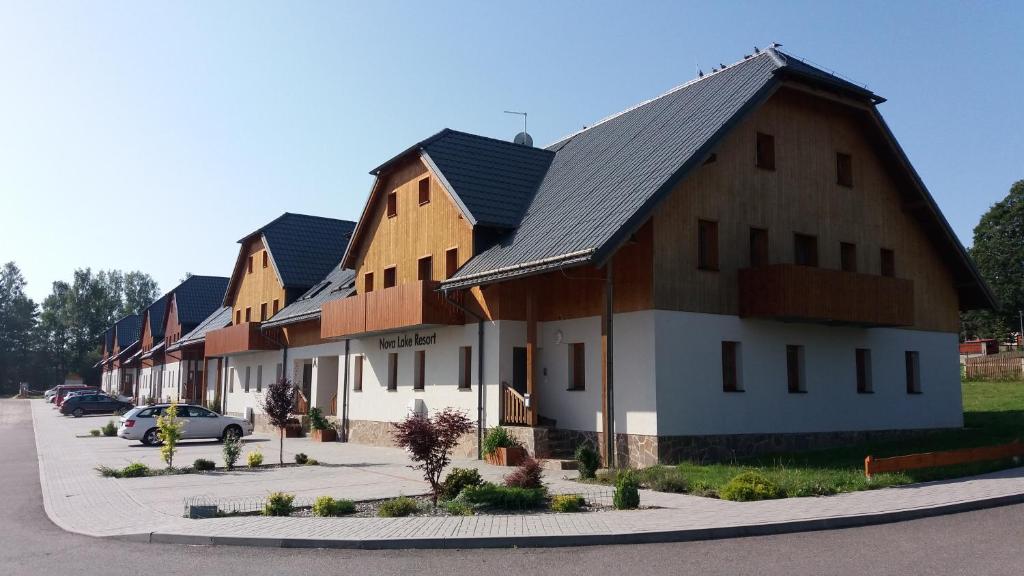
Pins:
x: 747, y: 262
x: 121, y: 341
x: 277, y: 266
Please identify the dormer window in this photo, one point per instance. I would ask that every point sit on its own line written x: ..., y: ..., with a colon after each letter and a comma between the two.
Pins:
x: 424, y: 185
x: 266, y: 259
x: 392, y: 204
x: 250, y: 265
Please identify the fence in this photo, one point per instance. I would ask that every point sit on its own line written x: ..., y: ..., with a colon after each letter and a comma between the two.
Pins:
x: 1003, y: 366
x: 947, y: 458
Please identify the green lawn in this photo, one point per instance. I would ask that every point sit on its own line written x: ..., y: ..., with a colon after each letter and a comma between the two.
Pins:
x: 993, y: 414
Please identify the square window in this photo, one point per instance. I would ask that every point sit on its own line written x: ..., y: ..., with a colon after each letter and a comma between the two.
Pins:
x: 424, y: 190
x: 844, y: 170
x: 795, y: 375
x: 368, y: 282
x: 392, y: 204
x: 465, y: 367
x: 357, y: 374
x: 393, y: 371
x: 248, y: 314
x: 848, y: 256
x: 913, y: 362
x: 765, y: 151
x: 263, y: 312
x: 864, y: 384
x: 577, y: 367
x: 419, y: 371
x: 390, y: 276
x: 425, y: 269
x: 805, y: 250
x: 707, y: 245
x: 731, y: 367
x: 758, y: 247
x: 888, y: 266
x: 451, y: 262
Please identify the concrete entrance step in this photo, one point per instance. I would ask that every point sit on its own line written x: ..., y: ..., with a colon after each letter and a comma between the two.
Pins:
x: 558, y: 464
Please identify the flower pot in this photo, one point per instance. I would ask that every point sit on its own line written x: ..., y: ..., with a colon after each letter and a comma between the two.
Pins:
x: 327, y: 435
x: 293, y: 430
x: 507, y: 456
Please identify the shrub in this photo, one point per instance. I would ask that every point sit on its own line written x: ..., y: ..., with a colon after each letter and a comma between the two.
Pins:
x: 95, y: 432
x: 457, y: 480
x: 232, y: 450
x: 327, y: 506
x: 204, y: 465
x: 567, y: 502
x: 587, y: 461
x: 170, y: 433
x: 317, y: 421
x: 254, y: 459
x: 458, y: 508
x: 135, y: 470
x: 108, y: 472
x: 109, y: 429
x: 703, y: 488
x: 627, y: 493
x: 312, y: 462
x: 401, y: 506
x: 504, y: 497
x: 748, y: 486
x: 527, y: 475
x: 498, y: 437
x: 278, y: 504
x: 301, y: 458
x: 665, y: 479
x: 430, y: 442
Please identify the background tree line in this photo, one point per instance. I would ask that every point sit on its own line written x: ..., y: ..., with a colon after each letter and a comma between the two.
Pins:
x: 40, y: 344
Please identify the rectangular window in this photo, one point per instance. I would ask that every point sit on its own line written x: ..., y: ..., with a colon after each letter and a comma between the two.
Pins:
x: 277, y: 305
x: 238, y: 316
x: 848, y: 256
x: 731, y: 367
x: 265, y: 259
x: 805, y: 250
x: 278, y: 372
x: 913, y: 372
x: 864, y: 385
x: 248, y: 314
x: 367, y: 282
x: 357, y: 374
x: 250, y: 264
x: 577, y: 367
x: 465, y: 367
x: 263, y: 312
x: 393, y: 371
x: 707, y: 245
x: 419, y: 370
x: 765, y: 151
x: 844, y: 169
x: 758, y: 247
x: 425, y: 269
x: 888, y: 267
x: 392, y: 204
x: 451, y: 262
x: 424, y: 185
x: 795, y: 375
x: 245, y: 386
x: 390, y: 276
x: 231, y: 379
x: 259, y: 378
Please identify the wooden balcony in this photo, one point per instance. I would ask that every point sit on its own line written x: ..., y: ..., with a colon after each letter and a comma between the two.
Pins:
x: 806, y: 294
x: 243, y: 337
x: 395, y: 308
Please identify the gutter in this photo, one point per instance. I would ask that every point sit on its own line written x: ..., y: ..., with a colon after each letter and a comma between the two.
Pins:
x: 462, y: 281
x: 479, y: 371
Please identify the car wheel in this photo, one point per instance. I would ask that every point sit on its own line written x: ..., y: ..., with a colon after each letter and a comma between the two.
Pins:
x: 233, y: 432
x: 151, y: 437
x: 77, y: 412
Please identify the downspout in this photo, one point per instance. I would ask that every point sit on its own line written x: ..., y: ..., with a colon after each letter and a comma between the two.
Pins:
x: 480, y: 374
x: 224, y: 386
x: 344, y: 398
x: 609, y: 364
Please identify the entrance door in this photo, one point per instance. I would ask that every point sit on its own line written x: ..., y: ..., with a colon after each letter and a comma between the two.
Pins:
x: 307, y: 380
x: 519, y: 369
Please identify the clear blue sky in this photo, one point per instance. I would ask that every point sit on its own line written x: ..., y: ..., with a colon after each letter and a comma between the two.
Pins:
x: 152, y: 136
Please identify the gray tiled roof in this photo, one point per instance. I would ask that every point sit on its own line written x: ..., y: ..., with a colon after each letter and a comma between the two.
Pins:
x: 156, y: 312
x: 197, y: 297
x: 127, y: 330
x: 305, y: 248
x: 215, y: 321
x: 338, y: 284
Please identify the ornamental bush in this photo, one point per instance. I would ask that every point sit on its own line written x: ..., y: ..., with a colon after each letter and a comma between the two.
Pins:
x: 279, y: 504
x: 627, y: 493
x: 254, y: 459
x: 665, y: 479
x: 749, y: 486
x: 504, y: 497
x: 135, y: 470
x: 109, y: 429
x: 95, y: 431
x: 401, y: 506
x: 301, y: 458
x: 170, y: 433
x: 458, y: 508
x: 326, y: 506
x: 457, y: 480
x: 567, y: 502
x: 430, y: 441
x: 587, y: 461
x: 232, y: 450
x: 526, y: 475
x: 203, y: 465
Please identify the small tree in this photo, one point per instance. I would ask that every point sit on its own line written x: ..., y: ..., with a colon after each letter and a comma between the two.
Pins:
x: 430, y: 442
x: 170, y: 429
x: 277, y: 403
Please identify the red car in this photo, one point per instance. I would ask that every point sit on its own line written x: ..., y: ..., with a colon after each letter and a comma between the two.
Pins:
x: 62, y: 391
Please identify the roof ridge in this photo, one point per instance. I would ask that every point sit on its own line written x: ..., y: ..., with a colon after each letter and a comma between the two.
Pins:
x: 493, y: 139
x: 766, y: 51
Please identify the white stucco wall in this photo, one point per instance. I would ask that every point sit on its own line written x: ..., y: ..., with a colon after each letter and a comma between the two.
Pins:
x: 236, y: 398
x: 689, y: 374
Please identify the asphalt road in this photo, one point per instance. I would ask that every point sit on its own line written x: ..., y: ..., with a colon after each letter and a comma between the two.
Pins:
x: 983, y: 542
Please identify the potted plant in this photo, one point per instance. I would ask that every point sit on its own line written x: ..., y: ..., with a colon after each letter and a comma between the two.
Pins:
x: 501, y: 449
x: 322, y: 428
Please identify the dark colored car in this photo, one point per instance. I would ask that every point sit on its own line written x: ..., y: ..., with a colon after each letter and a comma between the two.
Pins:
x: 78, y: 406
x: 63, y: 390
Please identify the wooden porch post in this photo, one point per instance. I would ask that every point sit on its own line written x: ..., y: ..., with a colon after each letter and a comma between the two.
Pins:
x: 531, y: 359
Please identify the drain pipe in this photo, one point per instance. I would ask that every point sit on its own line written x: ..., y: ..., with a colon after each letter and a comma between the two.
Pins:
x: 609, y: 366
x: 344, y: 399
x: 480, y: 374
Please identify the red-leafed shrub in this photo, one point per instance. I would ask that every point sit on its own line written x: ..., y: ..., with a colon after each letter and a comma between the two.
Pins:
x: 527, y: 475
x: 430, y: 442
x: 277, y: 403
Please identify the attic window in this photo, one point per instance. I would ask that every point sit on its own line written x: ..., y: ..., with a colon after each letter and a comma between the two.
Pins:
x: 265, y: 259
x: 424, y: 191
x: 392, y: 204
x: 844, y: 169
x: 390, y: 276
x: 250, y: 265
x: 765, y: 151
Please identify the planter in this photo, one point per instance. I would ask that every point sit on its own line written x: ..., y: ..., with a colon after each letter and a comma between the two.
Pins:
x: 293, y: 430
x: 507, y: 456
x: 327, y: 435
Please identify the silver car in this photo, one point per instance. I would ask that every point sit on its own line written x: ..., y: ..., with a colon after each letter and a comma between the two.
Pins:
x: 140, y: 424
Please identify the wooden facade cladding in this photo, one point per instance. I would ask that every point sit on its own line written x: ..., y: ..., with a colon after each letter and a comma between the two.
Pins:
x: 801, y: 195
x: 256, y: 285
x: 242, y: 337
x: 807, y: 294
x: 172, y: 329
x: 411, y: 304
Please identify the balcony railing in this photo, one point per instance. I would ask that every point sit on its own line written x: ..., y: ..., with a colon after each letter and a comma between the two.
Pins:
x: 803, y: 293
x: 237, y: 338
x: 403, y: 306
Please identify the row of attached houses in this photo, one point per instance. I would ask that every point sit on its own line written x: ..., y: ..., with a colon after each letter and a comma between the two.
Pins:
x: 745, y: 263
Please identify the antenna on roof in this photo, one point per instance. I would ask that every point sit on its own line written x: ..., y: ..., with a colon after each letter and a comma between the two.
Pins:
x: 700, y: 73
x: 757, y: 50
x: 776, y: 45
x: 523, y: 137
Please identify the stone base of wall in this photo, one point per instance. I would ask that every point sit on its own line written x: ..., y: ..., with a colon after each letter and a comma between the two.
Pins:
x: 374, y: 433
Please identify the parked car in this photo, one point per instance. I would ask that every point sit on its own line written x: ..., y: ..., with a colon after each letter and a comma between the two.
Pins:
x: 83, y: 404
x: 140, y: 424
x: 49, y: 395
x: 63, y: 391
